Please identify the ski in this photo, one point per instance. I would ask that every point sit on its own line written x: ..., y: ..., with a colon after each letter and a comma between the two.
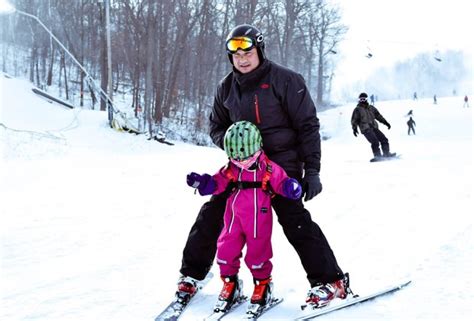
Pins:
x: 356, y: 299
x: 219, y: 314
x: 255, y: 311
x: 177, y: 306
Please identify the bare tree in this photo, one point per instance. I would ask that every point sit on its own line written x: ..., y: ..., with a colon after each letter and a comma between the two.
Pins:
x: 150, y: 54
x: 245, y: 11
x: 186, y: 17
x: 169, y: 55
x: 326, y: 33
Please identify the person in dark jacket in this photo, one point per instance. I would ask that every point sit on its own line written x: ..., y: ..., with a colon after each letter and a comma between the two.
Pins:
x: 411, y: 126
x: 372, y: 99
x: 278, y: 102
x: 364, y: 116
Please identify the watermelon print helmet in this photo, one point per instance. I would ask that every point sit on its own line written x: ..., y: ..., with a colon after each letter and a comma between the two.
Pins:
x: 242, y: 140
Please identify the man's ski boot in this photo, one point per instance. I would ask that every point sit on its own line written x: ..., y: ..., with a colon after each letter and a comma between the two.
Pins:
x: 231, y: 293
x: 261, y: 297
x: 187, y: 288
x: 322, y: 294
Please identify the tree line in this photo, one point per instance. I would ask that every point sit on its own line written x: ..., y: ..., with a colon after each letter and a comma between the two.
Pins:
x: 168, y: 56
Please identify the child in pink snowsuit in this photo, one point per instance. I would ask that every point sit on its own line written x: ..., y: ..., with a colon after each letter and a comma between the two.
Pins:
x: 248, y: 216
x: 251, y: 179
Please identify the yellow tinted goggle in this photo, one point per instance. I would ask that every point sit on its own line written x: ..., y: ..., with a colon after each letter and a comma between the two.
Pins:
x: 243, y: 43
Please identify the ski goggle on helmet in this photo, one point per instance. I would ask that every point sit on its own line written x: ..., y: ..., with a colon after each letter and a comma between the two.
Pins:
x: 242, y: 140
x: 243, y: 43
x: 244, y: 37
x: 363, y: 97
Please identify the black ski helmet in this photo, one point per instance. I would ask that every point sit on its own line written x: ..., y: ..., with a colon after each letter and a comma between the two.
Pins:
x: 246, y: 30
x: 363, y: 97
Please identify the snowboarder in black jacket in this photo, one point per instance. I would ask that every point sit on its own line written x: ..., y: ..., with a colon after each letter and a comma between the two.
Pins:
x: 364, y: 116
x: 278, y: 102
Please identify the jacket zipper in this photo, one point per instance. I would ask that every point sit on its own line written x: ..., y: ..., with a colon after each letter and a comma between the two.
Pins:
x: 255, y: 214
x: 232, y: 208
x: 255, y: 207
x: 257, y: 109
x: 233, y: 211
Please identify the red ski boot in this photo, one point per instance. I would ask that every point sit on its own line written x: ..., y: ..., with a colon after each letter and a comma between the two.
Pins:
x: 322, y: 294
x: 187, y: 288
x: 231, y: 293
x: 262, y: 292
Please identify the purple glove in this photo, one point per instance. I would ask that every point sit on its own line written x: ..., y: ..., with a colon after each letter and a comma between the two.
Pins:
x: 292, y: 189
x: 204, y: 183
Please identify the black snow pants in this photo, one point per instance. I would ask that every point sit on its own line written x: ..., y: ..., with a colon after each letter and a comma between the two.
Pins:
x: 377, y: 138
x: 305, y: 236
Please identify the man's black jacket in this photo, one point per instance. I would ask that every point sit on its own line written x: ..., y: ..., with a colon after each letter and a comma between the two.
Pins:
x: 364, y: 116
x: 276, y: 100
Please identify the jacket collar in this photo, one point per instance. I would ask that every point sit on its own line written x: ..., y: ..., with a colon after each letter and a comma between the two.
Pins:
x: 252, y: 78
x: 360, y: 104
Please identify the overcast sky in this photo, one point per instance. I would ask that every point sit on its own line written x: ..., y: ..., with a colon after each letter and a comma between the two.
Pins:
x: 394, y: 30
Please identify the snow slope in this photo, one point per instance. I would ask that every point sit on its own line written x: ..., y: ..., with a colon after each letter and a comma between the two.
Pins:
x: 93, y: 221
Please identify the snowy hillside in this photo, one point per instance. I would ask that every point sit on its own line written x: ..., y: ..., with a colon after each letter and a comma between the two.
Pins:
x: 93, y: 221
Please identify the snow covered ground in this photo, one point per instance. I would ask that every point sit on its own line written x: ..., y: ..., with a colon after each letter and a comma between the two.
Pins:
x: 93, y: 221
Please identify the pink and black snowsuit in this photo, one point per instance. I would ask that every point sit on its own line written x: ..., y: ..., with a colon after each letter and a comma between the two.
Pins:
x: 248, y: 217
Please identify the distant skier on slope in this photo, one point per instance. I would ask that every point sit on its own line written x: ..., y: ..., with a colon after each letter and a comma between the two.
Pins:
x: 364, y: 116
x: 251, y: 179
x: 411, y: 126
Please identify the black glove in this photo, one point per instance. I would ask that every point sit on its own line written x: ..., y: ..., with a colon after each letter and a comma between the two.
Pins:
x: 388, y: 125
x: 311, y: 184
x: 354, y: 130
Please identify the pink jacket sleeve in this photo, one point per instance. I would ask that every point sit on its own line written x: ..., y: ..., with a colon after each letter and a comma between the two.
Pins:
x: 277, y: 179
x: 221, y: 181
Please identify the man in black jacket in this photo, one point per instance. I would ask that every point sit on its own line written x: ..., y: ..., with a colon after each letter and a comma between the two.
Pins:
x: 364, y: 116
x: 277, y: 101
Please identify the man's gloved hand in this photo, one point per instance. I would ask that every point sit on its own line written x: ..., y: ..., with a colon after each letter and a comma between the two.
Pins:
x: 204, y: 183
x: 292, y: 189
x: 311, y: 184
x: 388, y: 125
x: 355, y: 131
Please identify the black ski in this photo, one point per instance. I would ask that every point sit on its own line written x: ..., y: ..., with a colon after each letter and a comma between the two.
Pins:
x: 311, y: 313
x: 219, y: 314
x: 255, y: 311
x: 176, y: 308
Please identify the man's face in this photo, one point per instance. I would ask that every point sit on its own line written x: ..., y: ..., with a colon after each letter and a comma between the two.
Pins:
x: 246, y: 61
